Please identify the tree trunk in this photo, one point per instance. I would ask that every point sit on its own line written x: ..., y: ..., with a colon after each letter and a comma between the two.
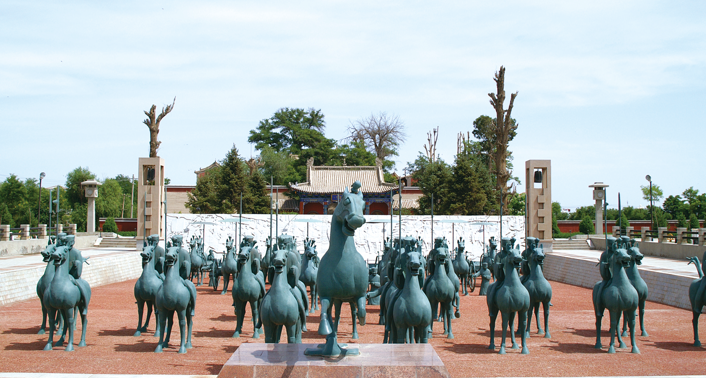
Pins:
x: 503, y: 127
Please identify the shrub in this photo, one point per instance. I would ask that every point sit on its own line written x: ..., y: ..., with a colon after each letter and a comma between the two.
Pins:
x: 110, y: 226
x: 586, y: 225
x: 693, y: 222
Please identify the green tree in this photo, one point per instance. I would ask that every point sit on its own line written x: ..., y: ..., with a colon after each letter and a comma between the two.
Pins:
x: 354, y: 154
x: 657, y: 193
x: 557, y: 213
x: 74, y: 191
x: 5, y: 216
x: 110, y: 200
x: 693, y: 222
x: 13, y: 194
x: 79, y: 216
x: 586, y: 226
x: 431, y: 178
x: 674, y: 205
x: 125, y: 183
x: 204, y: 198
x: 470, y: 188
x: 681, y: 220
x: 110, y: 225
x: 624, y: 222
x: 259, y: 199
x: 517, y: 205
x: 555, y: 227
x: 660, y: 218
x: 582, y: 212
x: 233, y: 181
x: 276, y: 164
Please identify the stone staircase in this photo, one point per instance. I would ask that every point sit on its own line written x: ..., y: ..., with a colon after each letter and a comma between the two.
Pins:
x: 568, y: 244
x: 117, y: 243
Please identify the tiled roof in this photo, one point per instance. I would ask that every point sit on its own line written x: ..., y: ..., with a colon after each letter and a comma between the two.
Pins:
x: 406, y: 204
x: 332, y: 180
x: 287, y: 204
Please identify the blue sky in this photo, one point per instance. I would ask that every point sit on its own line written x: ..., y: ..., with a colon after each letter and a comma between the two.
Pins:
x: 609, y: 91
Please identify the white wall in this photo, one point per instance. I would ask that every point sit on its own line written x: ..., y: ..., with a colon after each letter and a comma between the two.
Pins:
x: 369, y: 238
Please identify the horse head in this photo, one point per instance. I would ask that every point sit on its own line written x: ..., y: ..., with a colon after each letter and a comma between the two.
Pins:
x: 310, y: 249
x: 147, y: 254
x: 513, y: 256
x: 635, y: 253
x: 442, y: 253
x: 279, y: 260
x: 461, y: 245
x: 171, y: 256
x: 349, y: 210
x: 537, y: 254
x: 621, y: 257
x: 229, y: 243
x: 414, y: 262
x: 177, y: 241
x: 244, y: 255
x: 60, y: 254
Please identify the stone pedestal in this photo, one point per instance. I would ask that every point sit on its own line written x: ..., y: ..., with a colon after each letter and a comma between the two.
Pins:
x: 42, y: 231
x: 644, y: 234
x: 375, y: 360
x: 24, y: 233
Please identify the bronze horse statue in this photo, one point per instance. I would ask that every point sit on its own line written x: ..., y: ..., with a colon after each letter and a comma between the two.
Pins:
x: 147, y: 286
x: 230, y: 265
x: 694, y: 292
x: 343, y: 272
x: 248, y: 287
x: 282, y: 306
x: 310, y: 269
x: 410, y: 312
x: 539, y: 289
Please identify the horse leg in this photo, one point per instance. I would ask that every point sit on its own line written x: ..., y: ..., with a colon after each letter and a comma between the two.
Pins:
x: 642, y: 318
x: 182, y: 329
x: 315, y: 292
x: 278, y: 333
x: 42, y: 330
x: 149, y: 315
x: 325, y: 322
x: 625, y: 326
x: 239, y: 308
x: 52, y: 328
x: 69, y: 314
x: 523, y: 323
x: 337, y: 303
x: 360, y: 307
x: 599, y: 319
x: 170, y: 323
x: 161, y: 320
x: 292, y: 333
x: 493, y: 317
x: 65, y: 324
x: 255, y: 316
x: 614, y: 322
x: 189, y: 326
x: 529, y: 318
x: 448, y: 309
x: 269, y: 333
x: 630, y: 315
x: 621, y: 344
x: 694, y: 322
x: 545, y: 307
x: 434, y: 314
x: 354, y: 335
x: 84, y: 324
x: 505, y: 321
x: 457, y: 300
x: 511, y: 321
x: 226, y: 281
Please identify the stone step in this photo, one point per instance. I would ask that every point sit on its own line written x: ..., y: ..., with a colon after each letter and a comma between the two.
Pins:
x: 117, y: 243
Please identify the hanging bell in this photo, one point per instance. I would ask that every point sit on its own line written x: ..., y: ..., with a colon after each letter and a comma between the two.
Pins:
x: 538, y: 176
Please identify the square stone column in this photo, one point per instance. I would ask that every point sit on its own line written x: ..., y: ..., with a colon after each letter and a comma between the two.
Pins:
x: 680, y: 234
x: 660, y: 234
x: 24, y: 232
x: 42, y: 231
x: 702, y: 236
x: 4, y: 232
x: 150, y: 199
x: 538, y: 197
x: 644, y: 234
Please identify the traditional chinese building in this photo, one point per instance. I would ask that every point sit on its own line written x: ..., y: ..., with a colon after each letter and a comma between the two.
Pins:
x: 325, y: 184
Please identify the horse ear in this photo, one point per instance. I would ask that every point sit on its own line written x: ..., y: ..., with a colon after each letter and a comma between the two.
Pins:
x: 345, y: 190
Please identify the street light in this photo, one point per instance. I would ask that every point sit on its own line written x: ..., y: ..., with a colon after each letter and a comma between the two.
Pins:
x: 652, y: 219
x: 39, y: 206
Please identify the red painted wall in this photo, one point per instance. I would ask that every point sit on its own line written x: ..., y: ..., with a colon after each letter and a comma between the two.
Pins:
x: 314, y: 208
x: 379, y: 206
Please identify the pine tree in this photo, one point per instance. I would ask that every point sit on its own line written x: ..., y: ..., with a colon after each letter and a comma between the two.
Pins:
x: 5, y: 216
x: 258, y: 198
x: 233, y: 181
x: 466, y: 194
x: 204, y: 198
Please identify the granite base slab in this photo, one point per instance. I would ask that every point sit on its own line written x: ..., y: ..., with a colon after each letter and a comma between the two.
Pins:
x: 375, y: 360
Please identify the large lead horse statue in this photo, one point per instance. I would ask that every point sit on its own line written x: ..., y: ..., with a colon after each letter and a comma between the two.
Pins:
x: 617, y: 295
x: 177, y: 294
x: 68, y: 295
x: 147, y: 286
x: 539, y: 289
x: 410, y: 313
x: 198, y: 259
x: 47, y: 277
x: 343, y: 272
x: 442, y: 290
x: 637, y: 282
x: 509, y: 297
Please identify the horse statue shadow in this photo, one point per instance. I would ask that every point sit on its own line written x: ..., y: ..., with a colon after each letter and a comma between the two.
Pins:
x: 441, y: 289
x: 343, y: 272
x: 539, y: 289
x: 637, y: 282
x: 147, y: 286
x: 68, y: 295
x: 248, y: 287
x: 461, y: 266
x: 410, y: 315
x: 310, y: 269
x: 508, y: 296
x: 282, y: 305
x: 617, y: 295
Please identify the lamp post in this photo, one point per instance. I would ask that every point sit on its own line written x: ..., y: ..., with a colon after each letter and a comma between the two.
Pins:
x: 39, y: 206
x: 652, y: 219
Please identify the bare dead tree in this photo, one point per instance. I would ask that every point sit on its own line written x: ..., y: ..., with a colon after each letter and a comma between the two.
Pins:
x: 254, y: 163
x: 503, y: 127
x: 461, y: 141
x: 152, y: 122
x: 380, y: 133
x: 430, y: 147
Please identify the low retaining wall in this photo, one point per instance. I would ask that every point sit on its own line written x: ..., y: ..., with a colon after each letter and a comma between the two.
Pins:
x: 31, y: 246
x: 21, y: 283
x: 666, y: 288
x: 670, y: 250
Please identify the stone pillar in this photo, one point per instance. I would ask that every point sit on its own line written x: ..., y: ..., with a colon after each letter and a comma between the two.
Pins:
x: 42, y: 231
x: 644, y: 234
x: 702, y: 236
x: 680, y: 234
x: 616, y: 231
x: 539, y: 201
x: 599, y: 196
x: 629, y: 230
x: 150, y: 197
x: 660, y: 234
x: 59, y: 228
x: 72, y: 229
x: 24, y: 232
x: 90, y: 188
x: 4, y: 232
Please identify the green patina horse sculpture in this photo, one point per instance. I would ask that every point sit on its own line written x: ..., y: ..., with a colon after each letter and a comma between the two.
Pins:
x: 47, y: 277
x: 230, y: 265
x: 267, y: 259
x: 197, y: 259
x: 343, y: 272
x: 539, y: 289
x: 508, y: 296
x: 617, y: 295
x: 147, y: 286
x: 637, y: 282
x: 66, y: 294
x: 461, y: 266
x: 693, y: 296
x: 248, y: 287
x: 410, y: 312
x: 177, y: 294
x: 310, y: 269
x: 282, y: 305
x: 440, y: 289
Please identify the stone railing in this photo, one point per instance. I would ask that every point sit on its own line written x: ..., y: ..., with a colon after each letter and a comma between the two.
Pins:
x: 681, y: 236
x: 26, y: 232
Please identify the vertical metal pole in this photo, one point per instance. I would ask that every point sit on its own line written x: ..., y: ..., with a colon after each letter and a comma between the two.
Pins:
x: 620, y: 216
x: 132, y: 196
x: 652, y: 218
x: 144, y: 220
x: 400, y: 215
x: 277, y: 215
x: 50, y: 207
x: 432, y: 220
x: 165, y: 218
x: 39, y: 202
x: 605, y: 217
x: 58, y: 200
x: 271, y: 180
x: 240, y: 217
x: 501, y: 219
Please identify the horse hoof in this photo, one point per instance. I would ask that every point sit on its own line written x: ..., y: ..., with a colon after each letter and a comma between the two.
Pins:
x: 697, y: 343
x: 540, y: 332
x: 547, y: 336
x: 525, y: 350
x: 598, y: 346
x: 41, y: 332
x: 450, y: 336
x: 49, y: 347
x: 256, y: 335
x: 644, y: 334
x: 158, y: 349
x: 59, y: 343
x: 502, y: 350
x: 624, y: 334
x: 354, y: 336
x: 635, y: 350
x: 82, y: 344
x: 611, y: 350
x: 189, y: 346
x: 236, y: 334
x: 137, y: 333
x: 182, y: 350
x: 514, y: 346
x: 69, y: 348
x: 622, y: 345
